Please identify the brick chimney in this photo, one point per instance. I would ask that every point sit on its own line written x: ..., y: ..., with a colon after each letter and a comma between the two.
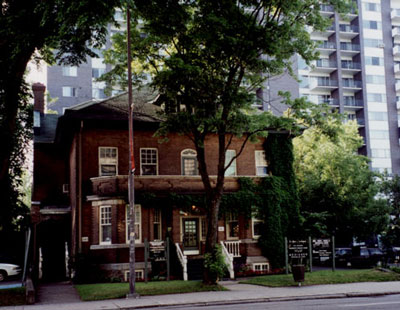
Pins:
x: 38, y: 97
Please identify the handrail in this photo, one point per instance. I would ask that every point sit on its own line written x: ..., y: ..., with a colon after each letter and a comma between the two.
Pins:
x: 228, y: 260
x: 233, y: 247
x: 183, y: 259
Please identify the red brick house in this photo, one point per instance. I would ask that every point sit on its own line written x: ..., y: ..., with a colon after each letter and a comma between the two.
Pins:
x: 81, y: 187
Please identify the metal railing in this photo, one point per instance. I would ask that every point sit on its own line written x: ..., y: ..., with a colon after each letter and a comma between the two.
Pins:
x: 344, y: 46
x: 351, y: 65
x: 348, y: 28
x: 330, y: 101
x: 353, y: 103
x: 183, y: 260
x: 352, y: 83
x: 228, y: 257
x: 324, y: 63
x: 327, y: 45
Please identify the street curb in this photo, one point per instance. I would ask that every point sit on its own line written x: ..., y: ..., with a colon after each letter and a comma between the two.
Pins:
x: 260, y: 300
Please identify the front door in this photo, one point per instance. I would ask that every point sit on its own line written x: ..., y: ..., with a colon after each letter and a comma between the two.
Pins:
x: 190, y: 234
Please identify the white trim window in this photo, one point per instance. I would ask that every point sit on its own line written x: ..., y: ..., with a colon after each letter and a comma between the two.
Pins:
x: 189, y: 162
x: 139, y: 275
x: 232, y: 226
x: 138, y: 224
x: 157, y: 226
x: 256, y: 227
x: 68, y: 91
x: 105, y: 225
x: 148, y: 161
x: 231, y: 171
x: 69, y: 71
x: 261, y: 267
x: 261, y: 163
x: 108, y: 161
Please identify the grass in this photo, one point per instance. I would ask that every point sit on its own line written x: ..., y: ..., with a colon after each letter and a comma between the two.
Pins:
x: 326, y: 277
x: 12, y: 297
x: 102, y: 291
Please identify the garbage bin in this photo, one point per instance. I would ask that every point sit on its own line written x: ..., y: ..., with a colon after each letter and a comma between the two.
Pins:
x: 298, y: 273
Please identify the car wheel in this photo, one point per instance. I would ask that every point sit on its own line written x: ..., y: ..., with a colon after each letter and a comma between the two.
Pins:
x: 3, y: 275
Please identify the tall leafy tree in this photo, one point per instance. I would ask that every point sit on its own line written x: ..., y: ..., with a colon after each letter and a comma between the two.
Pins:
x: 54, y: 30
x: 391, y: 189
x: 338, y: 191
x: 207, y: 59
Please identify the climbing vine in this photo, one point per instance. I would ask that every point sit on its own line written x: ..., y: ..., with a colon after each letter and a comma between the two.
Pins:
x: 274, y: 199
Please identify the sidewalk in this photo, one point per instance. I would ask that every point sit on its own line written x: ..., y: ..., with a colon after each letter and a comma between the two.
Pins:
x: 239, y: 293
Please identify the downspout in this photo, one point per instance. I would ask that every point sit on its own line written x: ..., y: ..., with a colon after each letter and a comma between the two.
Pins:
x: 80, y: 188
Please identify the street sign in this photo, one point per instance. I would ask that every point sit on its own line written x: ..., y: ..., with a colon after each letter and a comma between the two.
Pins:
x: 297, y: 248
x: 322, y: 249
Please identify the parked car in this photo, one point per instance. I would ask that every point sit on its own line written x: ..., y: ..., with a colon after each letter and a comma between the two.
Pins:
x: 366, y: 257
x: 343, y: 256
x: 8, y: 270
x: 393, y: 255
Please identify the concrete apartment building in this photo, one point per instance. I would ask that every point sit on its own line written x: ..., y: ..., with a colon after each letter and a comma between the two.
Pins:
x: 358, y: 73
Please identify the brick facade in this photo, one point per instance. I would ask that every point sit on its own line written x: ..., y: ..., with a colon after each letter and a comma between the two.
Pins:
x: 78, y: 165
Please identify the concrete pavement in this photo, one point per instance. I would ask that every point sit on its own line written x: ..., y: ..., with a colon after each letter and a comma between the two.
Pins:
x: 238, y: 293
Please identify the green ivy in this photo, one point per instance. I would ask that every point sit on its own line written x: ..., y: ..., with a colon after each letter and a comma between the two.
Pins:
x: 275, y: 199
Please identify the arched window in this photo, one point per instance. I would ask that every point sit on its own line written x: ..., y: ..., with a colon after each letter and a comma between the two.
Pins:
x: 189, y: 162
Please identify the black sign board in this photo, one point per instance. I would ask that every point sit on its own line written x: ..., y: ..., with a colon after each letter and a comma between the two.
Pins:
x: 322, y: 248
x: 297, y: 248
x: 157, y: 251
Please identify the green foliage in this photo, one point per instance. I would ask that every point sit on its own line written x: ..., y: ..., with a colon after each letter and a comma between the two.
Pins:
x: 337, y: 189
x: 391, y: 190
x: 215, y: 263
x: 63, y: 31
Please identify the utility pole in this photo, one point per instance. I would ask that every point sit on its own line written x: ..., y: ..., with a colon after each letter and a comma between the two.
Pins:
x: 131, y: 190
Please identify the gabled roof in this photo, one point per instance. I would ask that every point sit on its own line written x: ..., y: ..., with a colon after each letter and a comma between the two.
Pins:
x: 116, y: 108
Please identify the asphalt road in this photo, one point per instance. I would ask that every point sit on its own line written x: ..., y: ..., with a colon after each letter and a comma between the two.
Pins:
x: 390, y: 302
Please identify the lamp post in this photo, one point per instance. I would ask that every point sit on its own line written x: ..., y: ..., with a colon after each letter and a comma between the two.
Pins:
x: 131, y: 190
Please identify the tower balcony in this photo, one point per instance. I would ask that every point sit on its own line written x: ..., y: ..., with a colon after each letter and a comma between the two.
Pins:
x: 352, y: 85
x: 324, y: 66
x: 349, y: 49
x: 326, y: 48
x: 348, y: 31
x: 395, y: 15
x: 396, y: 34
x: 323, y: 85
x: 326, y: 10
x: 397, y: 70
x: 396, y: 51
x: 350, y: 67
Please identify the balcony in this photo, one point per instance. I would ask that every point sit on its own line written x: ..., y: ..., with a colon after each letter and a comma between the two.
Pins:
x: 323, y: 84
x: 395, y: 15
x: 326, y: 10
x: 349, y: 49
x: 396, y: 34
x: 350, y: 67
x: 396, y: 51
x: 324, y: 66
x: 398, y: 104
x: 348, y: 31
x: 326, y: 33
x: 353, y: 103
x: 360, y: 122
x: 352, y: 85
x: 118, y: 185
x: 397, y: 87
x: 331, y: 101
x: 326, y: 48
x: 397, y: 70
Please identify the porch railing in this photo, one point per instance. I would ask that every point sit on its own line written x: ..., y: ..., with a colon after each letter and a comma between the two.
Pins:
x: 228, y: 260
x: 183, y: 259
x: 233, y: 247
